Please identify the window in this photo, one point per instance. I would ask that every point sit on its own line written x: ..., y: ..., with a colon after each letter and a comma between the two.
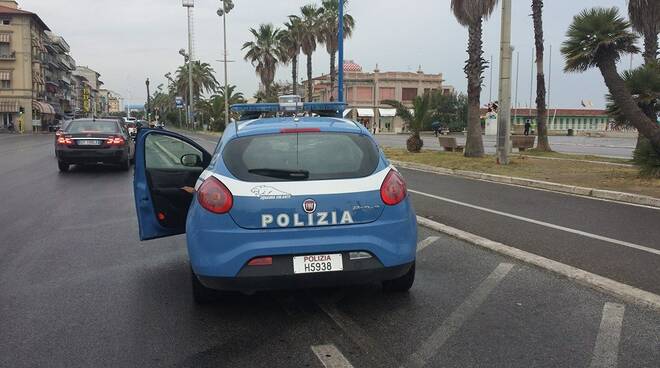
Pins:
x: 387, y: 93
x: 5, y: 84
x: 164, y: 152
x: 5, y: 51
x: 408, y: 94
x: 6, y: 21
x: 90, y: 126
x: 325, y: 156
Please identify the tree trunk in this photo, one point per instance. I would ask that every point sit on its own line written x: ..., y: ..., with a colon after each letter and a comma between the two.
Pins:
x: 333, y: 71
x: 541, y: 110
x: 294, y: 74
x: 629, y: 108
x: 474, y: 146
x: 309, y: 78
x: 414, y: 143
x: 651, y: 47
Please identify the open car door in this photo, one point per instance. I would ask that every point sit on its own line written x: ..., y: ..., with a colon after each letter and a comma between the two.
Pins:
x: 165, y: 163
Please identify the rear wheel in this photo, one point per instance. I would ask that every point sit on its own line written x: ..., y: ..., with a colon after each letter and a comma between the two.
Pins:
x: 201, y: 294
x: 63, y: 166
x: 125, y: 165
x: 401, y: 284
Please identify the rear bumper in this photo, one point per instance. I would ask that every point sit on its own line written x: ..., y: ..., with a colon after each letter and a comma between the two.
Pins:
x: 352, y: 276
x: 92, y: 156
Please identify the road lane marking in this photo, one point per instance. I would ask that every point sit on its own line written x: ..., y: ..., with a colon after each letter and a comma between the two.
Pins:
x: 331, y: 357
x: 453, y: 323
x: 542, y: 223
x: 606, y: 350
x: 426, y: 242
x: 361, y: 338
x: 621, y: 290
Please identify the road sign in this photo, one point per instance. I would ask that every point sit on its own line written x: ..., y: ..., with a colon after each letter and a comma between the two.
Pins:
x: 178, y: 101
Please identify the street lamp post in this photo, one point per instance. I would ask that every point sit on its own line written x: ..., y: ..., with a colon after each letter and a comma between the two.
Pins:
x: 227, y: 6
x: 189, y: 4
x: 186, y: 59
x: 340, y: 81
x: 504, y: 113
x: 148, y: 100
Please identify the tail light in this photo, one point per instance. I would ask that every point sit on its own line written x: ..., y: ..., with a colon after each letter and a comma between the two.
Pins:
x: 64, y: 140
x: 393, y: 190
x: 58, y: 133
x: 214, y: 196
x: 115, y: 141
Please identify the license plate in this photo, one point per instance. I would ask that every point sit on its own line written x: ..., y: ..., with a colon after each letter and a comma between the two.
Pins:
x: 318, y: 263
x: 88, y: 142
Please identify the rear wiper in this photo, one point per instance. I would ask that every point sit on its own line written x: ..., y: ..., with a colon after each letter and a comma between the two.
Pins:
x: 282, y: 174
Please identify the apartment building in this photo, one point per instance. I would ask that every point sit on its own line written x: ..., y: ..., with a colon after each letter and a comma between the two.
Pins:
x: 59, y: 75
x: 89, y: 96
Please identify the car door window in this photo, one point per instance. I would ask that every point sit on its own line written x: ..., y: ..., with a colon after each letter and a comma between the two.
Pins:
x: 165, y: 152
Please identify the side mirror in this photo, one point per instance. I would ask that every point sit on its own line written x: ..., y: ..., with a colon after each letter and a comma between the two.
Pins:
x: 191, y: 160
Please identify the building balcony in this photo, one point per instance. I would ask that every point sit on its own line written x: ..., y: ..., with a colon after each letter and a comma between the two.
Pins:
x: 8, y: 56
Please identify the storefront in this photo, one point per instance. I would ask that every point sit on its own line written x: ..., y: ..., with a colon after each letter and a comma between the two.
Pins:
x: 386, y: 120
x: 42, y: 114
x: 366, y: 117
x: 9, y: 114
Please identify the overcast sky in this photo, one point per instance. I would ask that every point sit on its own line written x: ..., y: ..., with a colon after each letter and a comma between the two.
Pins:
x: 130, y: 40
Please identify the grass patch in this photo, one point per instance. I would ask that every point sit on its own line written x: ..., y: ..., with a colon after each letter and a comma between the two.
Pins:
x: 584, y: 174
x: 568, y: 156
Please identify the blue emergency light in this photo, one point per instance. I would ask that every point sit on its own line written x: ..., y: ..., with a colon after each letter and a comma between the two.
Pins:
x: 256, y: 110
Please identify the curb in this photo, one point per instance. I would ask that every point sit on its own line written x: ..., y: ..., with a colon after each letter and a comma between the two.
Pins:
x: 623, y: 291
x: 538, y: 184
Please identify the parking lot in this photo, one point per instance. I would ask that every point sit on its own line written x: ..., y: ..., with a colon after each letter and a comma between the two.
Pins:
x: 77, y: 289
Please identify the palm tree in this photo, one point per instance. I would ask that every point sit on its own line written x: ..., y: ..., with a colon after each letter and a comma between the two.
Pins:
x: 291, y: 43
x: 214, y: 107
x: 644, y: 84
x: 541, y: 109
x: 330, y: 33
x: 471, y: 13
x: 420, y: 116
x: 645, y: 19
x: 203, y: 79
x: 598, y: 37
x: 310, y: 23
x: 264, y: 52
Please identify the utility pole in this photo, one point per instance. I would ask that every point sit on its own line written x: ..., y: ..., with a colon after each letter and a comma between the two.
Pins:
x: 227, y: 6
x: 340, y: 81
x: 189, y: 4
x: 148, y: 101
x: 515, y: 104
x: 490, y: 83
x: 504, y: 113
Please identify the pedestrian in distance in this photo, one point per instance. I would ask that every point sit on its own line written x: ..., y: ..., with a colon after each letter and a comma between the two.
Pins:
x: 528, y: 126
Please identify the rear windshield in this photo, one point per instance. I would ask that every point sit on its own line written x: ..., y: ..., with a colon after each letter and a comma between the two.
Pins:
x: 321, y: 156
x: 92, y: 127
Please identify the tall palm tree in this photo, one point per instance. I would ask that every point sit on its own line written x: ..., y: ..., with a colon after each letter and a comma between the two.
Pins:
x: 203, y: 79
x: 264, y: 52
x: 214, y: 107
x: 471, y: 13
x: 420, y: 116
x: 598, y: 37
x: 645, y: 19
x: 541, y: 108
x: 309, y: 18
x: 291, y: 42
x: 330, y: 33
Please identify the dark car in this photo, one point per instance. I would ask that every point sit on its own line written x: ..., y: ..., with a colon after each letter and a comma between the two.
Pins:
x: 94, y: 141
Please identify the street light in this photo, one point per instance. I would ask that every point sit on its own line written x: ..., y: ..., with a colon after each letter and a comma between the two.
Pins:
x: 227, y: 6
x: 148, y: 100
x: 189, y: 4
x: 189, y: 115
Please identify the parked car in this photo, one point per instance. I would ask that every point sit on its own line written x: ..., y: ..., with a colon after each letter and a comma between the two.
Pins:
x: 289, y: 202
x: 94, y: 141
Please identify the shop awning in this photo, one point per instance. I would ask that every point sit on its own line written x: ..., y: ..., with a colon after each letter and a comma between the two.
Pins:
x: 346, y: 112
x: 43, y: 107
x: 387, y: 112
x: 366, y: 113
x: 8, y: 106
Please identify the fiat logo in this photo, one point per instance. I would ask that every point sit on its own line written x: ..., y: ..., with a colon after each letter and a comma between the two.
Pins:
x: 309, y: 205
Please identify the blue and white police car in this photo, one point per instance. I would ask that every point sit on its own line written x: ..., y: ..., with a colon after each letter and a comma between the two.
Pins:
x: 299, y: 199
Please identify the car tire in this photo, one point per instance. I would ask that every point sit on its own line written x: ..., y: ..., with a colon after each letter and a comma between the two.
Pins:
x: 63, y: 166
x: 125, y: 165
x: 401, y: 284
x: 201, y: 294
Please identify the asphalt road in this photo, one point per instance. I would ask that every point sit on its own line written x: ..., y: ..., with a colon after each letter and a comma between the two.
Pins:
x: 77, y: 289
x: 610, y: 147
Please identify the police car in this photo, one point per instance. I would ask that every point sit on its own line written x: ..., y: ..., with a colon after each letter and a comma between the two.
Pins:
x: 298, y: 199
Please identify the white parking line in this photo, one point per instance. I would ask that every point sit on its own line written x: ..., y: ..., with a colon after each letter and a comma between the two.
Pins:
x: 426, y: 242
x: 606, y: 350
x: 331, y: 357
x: 542, y: 223
x: 454, y: 322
